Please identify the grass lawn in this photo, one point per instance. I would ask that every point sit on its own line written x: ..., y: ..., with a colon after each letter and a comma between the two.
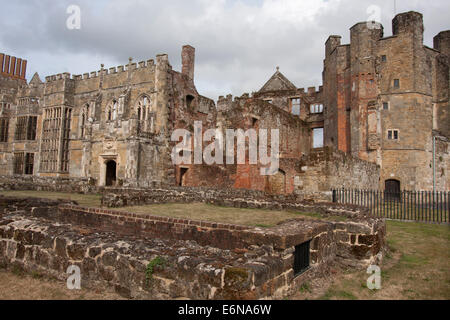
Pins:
x: 394, y: 210
x: 193, y: 211
x: 206, y: 212
x: 417, y: 268
x: 19, y: 286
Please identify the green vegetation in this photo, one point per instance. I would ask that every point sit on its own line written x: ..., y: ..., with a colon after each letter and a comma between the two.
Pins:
x: 417, y: 267
x: 157, y: 262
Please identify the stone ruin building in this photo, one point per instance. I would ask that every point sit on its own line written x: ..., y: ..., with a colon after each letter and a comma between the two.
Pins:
x: 380, y: 120
x: 372, y: 124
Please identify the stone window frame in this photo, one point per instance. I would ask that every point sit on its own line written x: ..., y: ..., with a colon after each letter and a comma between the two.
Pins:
x: 312, y: 137
x: 84, y: 118
x: 144, y: 114
x: 26, y: 128
x: 390, y: 134
x: 4, y: 129
x: 396, y: 83
x: 268, y: 101
x: 316, y: 108
x: 388, y: 105
x: 383, y: 58
x: 55, y: 140
x: 6, y: 105
x: 291, y: 104
x: 112, y: 110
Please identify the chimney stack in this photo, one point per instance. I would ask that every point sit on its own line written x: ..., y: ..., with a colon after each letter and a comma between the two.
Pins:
x: 188, y: 61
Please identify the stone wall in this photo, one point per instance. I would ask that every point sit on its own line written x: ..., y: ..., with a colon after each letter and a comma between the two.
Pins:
x: 360, y: 238
x: 48, y: 184
x: 199, y: 260
x: 323, y: 171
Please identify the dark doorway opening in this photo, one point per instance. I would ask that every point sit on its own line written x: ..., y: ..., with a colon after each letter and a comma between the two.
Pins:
x: 392, y: 189
x: 301, y: 258
x: 111, y: 168
x: 189, y: 100
x: 183, y: 172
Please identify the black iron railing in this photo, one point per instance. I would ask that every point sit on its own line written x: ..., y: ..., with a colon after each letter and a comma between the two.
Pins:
x: 426, y: 206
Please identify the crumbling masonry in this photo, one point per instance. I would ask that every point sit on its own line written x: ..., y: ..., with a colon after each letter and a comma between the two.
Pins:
x: 383, y: 101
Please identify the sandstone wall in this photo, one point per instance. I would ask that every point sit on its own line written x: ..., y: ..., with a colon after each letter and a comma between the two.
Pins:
x: 113, y: 250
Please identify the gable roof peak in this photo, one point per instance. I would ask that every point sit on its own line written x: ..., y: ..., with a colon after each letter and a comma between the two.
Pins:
x: 278, y: 82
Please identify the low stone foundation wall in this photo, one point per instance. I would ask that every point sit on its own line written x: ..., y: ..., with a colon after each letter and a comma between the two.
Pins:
x: 21, y: 182
x: 199, y: 260
x: 237, y: 198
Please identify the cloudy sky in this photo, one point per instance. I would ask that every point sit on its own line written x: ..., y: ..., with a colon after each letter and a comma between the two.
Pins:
x: 238, y: 43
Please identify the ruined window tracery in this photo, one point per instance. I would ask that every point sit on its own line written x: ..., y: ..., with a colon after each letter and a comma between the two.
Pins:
x: 295, y: 106
x: 145, y: 116
x: 316, y: 108
x: 111, y: 111
x: 83, y: 120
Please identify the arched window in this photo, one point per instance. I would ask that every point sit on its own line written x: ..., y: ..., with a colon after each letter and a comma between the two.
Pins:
x: 83, y: 120
x: 144, y: 114
x: 111, y: 111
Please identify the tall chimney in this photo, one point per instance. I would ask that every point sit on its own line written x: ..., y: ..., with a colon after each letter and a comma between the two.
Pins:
x: 188, y: 61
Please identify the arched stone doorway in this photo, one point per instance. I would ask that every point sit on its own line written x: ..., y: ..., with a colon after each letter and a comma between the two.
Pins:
x: 276, y: 184
x: 183, y: 175
x: 392, y: 189
x: 111, y: 173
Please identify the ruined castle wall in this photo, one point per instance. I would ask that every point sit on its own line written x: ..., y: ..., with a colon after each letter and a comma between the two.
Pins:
x: 321, y: 172
x: 31, y: 240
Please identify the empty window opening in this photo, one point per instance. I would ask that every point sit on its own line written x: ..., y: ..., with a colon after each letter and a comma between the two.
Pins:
x: 183, y: 172
x: 396, y: 83
x: 84, y: 119
x: 383, y: 58
x: 301, y: 258
x: 29, y: 163
x: 385, y: 105
x: 31, y: 128
x: 317, y: 138
x: 19, y: 162
x: 189, y: 101
x: 145, y: 115
x: 392, y: 189
x: 4, y: 127
x: 111, y: 168
x: 111, y: 111
x: 295, y: 106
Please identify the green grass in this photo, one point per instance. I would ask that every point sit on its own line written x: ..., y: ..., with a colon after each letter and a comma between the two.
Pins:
x: 418, y: 267
x: 194, y: 211
x: 394, y: 210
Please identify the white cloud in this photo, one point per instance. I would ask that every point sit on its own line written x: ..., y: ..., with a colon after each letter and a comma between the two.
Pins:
x: 239, y: 43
